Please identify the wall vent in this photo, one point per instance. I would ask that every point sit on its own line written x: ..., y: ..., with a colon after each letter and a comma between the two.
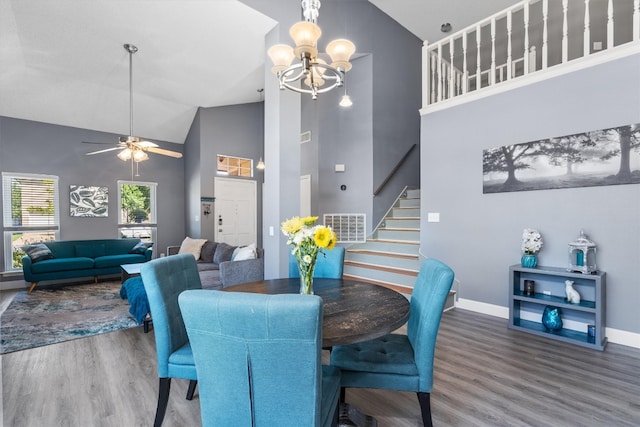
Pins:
x: 305, y: 137
x: 349, y: 228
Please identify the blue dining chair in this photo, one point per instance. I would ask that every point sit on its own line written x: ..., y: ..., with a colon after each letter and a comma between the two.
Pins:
x: 258, y: 359
x: 398, y: 361
x: 329, y: 264
x: 164, y: 279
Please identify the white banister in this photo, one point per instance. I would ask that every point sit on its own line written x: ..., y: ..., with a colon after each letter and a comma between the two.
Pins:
x: 610, y: 24
x: 440, y: 76
x: 426, y: 87
x: 465, y: 72
x: 509, y: 29
x: 587, y: 30
x: 478, y: 59
x: 636, y: 20
x: 546, y: 38
x: 451, y: 73
x: 565, y: 32
x: 526, y: 38
x: 492, y: 79
x: 545, y: 32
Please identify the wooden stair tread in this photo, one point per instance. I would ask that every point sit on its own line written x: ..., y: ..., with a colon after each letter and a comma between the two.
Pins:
x: 401, y: 218
x: 398, y: 229
x: 403, y: 289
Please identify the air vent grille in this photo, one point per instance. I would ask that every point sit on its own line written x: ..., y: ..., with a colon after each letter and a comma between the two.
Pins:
x: 349, y: 228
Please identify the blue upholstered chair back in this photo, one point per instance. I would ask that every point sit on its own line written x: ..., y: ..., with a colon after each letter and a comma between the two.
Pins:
x: 328, y: 266
x: 427, y: 302
x: 164, y: 279
x: 258, y: 357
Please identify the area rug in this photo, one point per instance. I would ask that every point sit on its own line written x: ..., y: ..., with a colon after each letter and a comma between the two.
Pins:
x: 54, y: 315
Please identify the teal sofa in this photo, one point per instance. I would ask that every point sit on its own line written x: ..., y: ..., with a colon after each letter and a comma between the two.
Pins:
x: 83, y: 258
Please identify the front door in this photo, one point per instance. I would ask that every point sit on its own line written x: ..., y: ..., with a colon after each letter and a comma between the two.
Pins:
x: 235, y: 212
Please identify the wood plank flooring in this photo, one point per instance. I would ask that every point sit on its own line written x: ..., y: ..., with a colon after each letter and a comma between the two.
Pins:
x: 485, y: 375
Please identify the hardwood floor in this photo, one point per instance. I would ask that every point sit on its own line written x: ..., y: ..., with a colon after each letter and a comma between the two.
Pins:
x: 485, y: 375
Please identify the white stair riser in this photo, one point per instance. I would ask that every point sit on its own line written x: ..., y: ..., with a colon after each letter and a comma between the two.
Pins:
x: 407, y: 236
x: 405, y: 212
x: 401, y: 248
x: 413, y: 194
x: 409, y: 203
x: 401, y: 223
x: 387, y: 261
x: 379, y: 275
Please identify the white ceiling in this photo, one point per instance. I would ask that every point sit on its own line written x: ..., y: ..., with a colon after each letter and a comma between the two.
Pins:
x: 62, y: 61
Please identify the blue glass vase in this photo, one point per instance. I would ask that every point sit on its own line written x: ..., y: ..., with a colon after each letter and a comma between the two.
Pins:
x: 551, y: 318
x: 529, y: 261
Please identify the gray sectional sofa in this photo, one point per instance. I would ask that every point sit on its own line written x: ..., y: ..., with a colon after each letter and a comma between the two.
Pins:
x: 217, y: 270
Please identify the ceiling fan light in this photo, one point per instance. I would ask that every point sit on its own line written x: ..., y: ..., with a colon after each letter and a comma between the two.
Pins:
x: 305, y: 35
x: 281, y: 55
x: 140, y: 156
x: 260, y: 165
x: 340, y: 51
x: 125, y: 154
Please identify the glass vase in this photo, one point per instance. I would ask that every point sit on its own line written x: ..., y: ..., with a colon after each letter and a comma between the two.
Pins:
x: 529, y: 261
x: 306, y: 276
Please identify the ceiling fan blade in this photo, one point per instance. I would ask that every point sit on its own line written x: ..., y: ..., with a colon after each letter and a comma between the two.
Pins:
x: 164, y: 152
x: 146, y: 144
x: 103, y: 151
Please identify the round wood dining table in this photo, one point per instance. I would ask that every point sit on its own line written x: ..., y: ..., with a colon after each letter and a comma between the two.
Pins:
x: 352, y: 311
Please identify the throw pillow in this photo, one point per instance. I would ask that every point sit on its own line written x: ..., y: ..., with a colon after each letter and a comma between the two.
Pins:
x: 191, y: 246
x: 38, y: 252
x: 209, y: 248
x: 244, y: 252
x: 141, y: 248
x: 223, y: 253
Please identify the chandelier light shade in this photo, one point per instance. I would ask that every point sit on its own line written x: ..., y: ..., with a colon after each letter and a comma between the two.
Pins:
x: 316, y: 74
x: 260, y: 165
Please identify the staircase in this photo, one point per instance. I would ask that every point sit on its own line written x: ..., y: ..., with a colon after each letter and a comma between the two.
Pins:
x: 390, y: 257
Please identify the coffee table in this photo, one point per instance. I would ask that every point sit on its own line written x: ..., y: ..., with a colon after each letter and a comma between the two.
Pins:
x: 130, y: 270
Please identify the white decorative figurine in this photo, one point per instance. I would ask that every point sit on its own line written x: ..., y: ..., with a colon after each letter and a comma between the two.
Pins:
x: 572, y: 295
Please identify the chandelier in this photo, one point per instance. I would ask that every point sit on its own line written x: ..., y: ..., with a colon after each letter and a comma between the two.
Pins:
x: 311, y: 71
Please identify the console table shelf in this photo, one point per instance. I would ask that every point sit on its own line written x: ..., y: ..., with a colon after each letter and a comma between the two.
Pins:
x: 525, y: 311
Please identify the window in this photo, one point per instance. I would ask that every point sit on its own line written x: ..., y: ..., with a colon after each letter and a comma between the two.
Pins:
x: 137, y: 210
x: 30, y: 214
x: 234, y: 166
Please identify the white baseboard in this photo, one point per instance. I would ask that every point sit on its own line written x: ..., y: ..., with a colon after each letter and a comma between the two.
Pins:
x: 616, y: 336
x: 13, y: 284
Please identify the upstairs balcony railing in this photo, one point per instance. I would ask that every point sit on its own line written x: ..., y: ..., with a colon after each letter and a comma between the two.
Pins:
x: 522, y: 40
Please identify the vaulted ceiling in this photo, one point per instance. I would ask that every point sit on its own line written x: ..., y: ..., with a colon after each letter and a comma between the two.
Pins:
x: 62, y: 61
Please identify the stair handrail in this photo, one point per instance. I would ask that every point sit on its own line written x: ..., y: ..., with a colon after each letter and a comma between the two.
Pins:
x: 394, y: 170
x: 402, y: 194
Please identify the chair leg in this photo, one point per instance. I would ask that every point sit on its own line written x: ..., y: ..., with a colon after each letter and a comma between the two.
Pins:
x: 191, y: 389
x: 163, y: 399
x: 425, y: 408
x: 32, y: 287
x: 343, y: 393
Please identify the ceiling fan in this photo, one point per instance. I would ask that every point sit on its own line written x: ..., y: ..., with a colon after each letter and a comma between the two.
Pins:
x: 132, y: 147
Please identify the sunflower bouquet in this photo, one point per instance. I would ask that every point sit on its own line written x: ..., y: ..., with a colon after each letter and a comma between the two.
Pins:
x: 307, y: 240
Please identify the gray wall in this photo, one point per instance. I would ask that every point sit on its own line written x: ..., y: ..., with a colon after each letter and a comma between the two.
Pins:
x: 479, y: 234
x: 375, y: 133
x: 234, y: 130
x: 34, y: 147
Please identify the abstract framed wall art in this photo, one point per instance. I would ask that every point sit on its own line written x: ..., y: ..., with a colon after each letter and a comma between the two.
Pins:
x: 88, y: 201
x: 587, y: 159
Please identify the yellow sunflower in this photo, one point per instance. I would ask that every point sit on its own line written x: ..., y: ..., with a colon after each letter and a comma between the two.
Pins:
x: 292, y: 225
x: 324, y: 237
